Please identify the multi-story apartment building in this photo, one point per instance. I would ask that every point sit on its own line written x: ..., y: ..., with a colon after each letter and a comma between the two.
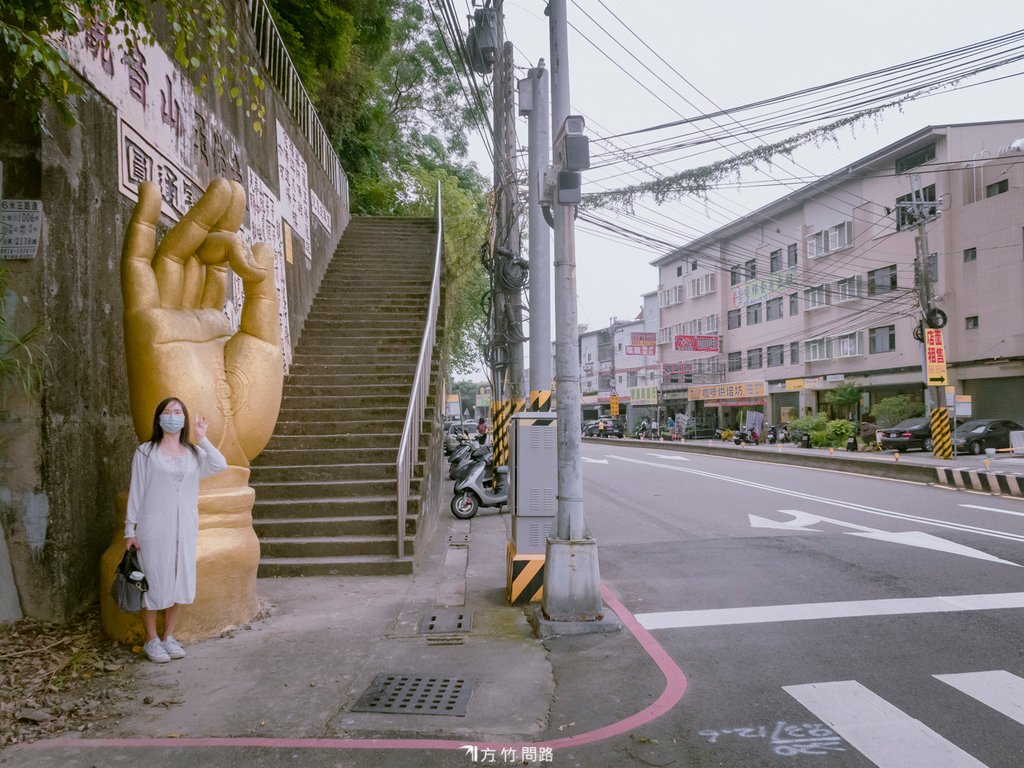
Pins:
x: 819, y: 288
x: 621, y: 360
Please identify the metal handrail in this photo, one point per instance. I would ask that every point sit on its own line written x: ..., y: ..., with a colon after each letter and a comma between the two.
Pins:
x: 408, y: 448
x: 282, y: 71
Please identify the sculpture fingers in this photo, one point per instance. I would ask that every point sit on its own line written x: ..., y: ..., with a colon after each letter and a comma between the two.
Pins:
x: 261, y: 307
x: 138, y: 282
x: 185, y: 238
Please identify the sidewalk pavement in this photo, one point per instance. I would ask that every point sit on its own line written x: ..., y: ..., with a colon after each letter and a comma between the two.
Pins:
x: 281, y: 690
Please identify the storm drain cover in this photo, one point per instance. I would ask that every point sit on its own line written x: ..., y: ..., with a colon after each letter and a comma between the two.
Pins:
x: 458, y: 538
x: 440, y: 621
x: 416, y: 695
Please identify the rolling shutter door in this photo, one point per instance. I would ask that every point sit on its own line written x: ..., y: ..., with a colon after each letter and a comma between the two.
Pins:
x: 997, y: 398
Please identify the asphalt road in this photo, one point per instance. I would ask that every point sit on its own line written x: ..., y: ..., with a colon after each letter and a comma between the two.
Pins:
x: 820, y: 618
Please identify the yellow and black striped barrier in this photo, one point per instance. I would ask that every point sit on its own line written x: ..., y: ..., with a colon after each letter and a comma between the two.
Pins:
x: 540, y: 400
x: 501, y: 413
x: 942, y: 437
x: 524, y: 577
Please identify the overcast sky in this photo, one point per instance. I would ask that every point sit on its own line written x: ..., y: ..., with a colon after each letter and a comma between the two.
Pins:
x: 695, y: 58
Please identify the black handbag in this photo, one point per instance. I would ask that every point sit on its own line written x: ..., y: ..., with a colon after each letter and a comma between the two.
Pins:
x: 129, y: 583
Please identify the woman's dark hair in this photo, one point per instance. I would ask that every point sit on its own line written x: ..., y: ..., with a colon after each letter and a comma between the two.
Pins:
x: 158, y: 431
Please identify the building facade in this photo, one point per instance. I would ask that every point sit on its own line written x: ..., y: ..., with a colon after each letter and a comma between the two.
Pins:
x: 820, y: 290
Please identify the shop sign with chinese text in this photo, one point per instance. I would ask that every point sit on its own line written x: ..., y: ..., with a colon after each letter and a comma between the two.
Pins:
x: 697, y: 343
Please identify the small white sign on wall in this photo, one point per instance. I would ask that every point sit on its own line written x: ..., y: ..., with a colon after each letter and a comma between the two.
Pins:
x: 21, y: 225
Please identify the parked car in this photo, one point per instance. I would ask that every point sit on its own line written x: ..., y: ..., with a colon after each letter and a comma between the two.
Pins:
x: 907, y: 435
x: 612, y: 428
x: 977, y: 435
x: 454, y: 435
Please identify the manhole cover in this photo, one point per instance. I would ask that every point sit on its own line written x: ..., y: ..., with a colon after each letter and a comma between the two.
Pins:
x: 439, y: 621
x: 416, y: 695
x: 458, y: 538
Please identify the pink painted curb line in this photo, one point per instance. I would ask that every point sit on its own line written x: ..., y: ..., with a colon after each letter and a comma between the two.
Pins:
x: 675, y: 688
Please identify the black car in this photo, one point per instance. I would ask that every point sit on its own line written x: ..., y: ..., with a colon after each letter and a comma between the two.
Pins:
x: 907, y: 435
x: 977, y: 435
x: 612, y: 428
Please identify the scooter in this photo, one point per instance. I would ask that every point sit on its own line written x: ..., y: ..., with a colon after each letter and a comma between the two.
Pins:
x: 461, y: 457
x: 745, y: 436
x: 475, y: 489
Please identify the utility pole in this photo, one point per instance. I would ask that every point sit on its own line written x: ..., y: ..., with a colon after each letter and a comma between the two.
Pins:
x: 533, y: 102
x: 933, y: 361
x: 509, y: 272
x: 571, y: 578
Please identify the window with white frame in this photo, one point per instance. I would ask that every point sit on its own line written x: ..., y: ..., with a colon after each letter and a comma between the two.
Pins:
x: 794, y: 352
x: 775, y: 356
x: 775, y: 261
x: 882, y: 339
x: 735, y: 361
x: 773, y: 309
x: 702, y: 286
x: 846, y: 289
x: 754, y: 359
x: 735, y: 275
x: 791, y: 255
x: 664, y: 335
x: 734, y: 319
x: 848, y: 345
x: 816, y: 297
x: 794, y: 304
x: 753, y: 314
x: 832, y: 239
x: 817, y: 349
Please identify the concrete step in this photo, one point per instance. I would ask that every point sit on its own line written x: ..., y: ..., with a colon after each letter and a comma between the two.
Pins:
x: 280, y: 509
x: 324, y: 472
x: 346, y: 412
x: 368, y: 565
x: 299, y: 387
x: 341, y: 428
x: 327, y: 489
x: 283, y: 456
x: 355, y: 525
x: 368, y: 373
x: 330, y: 546
x: 298, y: 441
x: 330, y: 397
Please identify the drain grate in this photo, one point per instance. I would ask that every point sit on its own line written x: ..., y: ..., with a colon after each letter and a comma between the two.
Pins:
x: 439, y: 621
x: 446, y: 640
x: 416, y: 695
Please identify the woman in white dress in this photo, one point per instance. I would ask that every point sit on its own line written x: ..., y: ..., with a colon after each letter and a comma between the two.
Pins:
x: 162, y: 521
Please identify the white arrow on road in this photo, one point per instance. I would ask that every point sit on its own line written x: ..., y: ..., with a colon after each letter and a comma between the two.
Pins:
x: 802, y: 520
x: 671, y: 456
x: 594, y: 461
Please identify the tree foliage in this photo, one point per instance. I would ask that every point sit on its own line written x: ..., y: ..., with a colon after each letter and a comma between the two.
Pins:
x: 844, y: 399
x: 893, y: 410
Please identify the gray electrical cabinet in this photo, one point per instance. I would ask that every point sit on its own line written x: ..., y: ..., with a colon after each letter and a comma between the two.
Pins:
x: 533, y: 479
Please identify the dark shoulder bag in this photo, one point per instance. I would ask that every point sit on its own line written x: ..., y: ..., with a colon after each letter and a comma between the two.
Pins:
x: 129, y: 583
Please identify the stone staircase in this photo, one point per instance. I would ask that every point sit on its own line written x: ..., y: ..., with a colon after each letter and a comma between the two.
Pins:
x: 326, y: 487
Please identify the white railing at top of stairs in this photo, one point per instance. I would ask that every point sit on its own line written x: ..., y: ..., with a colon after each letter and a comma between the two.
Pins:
x: 408, y: 449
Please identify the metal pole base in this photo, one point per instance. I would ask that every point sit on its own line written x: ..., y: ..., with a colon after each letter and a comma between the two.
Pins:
x: 572, y: 583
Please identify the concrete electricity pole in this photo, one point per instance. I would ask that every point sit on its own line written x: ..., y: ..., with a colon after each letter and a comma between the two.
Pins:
x: 533, y: 102
x: 933, y: 362
x: 571, y: 578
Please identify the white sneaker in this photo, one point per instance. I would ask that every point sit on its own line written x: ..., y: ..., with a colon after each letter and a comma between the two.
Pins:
x: 154, y: 649
x: 173, y: 648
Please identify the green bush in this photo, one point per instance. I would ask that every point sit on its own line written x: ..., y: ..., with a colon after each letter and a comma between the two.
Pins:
x: 838, y: 431
x: 892, y: 410
x: 824, y: 433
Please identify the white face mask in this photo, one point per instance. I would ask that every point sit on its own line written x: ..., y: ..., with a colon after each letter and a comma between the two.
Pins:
x: 172, y: 422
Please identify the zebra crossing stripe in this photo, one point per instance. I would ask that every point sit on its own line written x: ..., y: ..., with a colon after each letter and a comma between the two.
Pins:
x: 998, y: 689
x: 885, y: 735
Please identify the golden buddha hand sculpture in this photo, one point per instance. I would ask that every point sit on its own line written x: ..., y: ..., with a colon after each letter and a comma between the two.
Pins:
x: 178, y: 342
x: 177, y: 338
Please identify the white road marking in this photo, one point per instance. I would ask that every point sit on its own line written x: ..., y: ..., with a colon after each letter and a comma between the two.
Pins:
x: 594, y: 461
x: 670, y: 456
x: 824, y: 500
x: 998, y: 689
x: 885, y: 735
x: 993, y: 509
x: 768, y: 614
x: 801, y: 521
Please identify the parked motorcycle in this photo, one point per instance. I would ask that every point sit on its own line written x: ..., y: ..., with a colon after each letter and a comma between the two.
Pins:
x: 476, y: 490
x: 772, y: 436
x: 745, y: 436
x: 461, y: 457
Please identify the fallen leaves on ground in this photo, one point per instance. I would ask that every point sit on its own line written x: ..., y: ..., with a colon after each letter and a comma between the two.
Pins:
x: 59, y: 678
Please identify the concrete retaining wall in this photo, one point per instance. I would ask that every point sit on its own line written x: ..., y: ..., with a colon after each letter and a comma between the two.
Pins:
x: 65, y: 452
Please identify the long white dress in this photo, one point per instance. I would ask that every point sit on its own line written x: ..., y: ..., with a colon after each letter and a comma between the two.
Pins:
x: 163, y: 514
